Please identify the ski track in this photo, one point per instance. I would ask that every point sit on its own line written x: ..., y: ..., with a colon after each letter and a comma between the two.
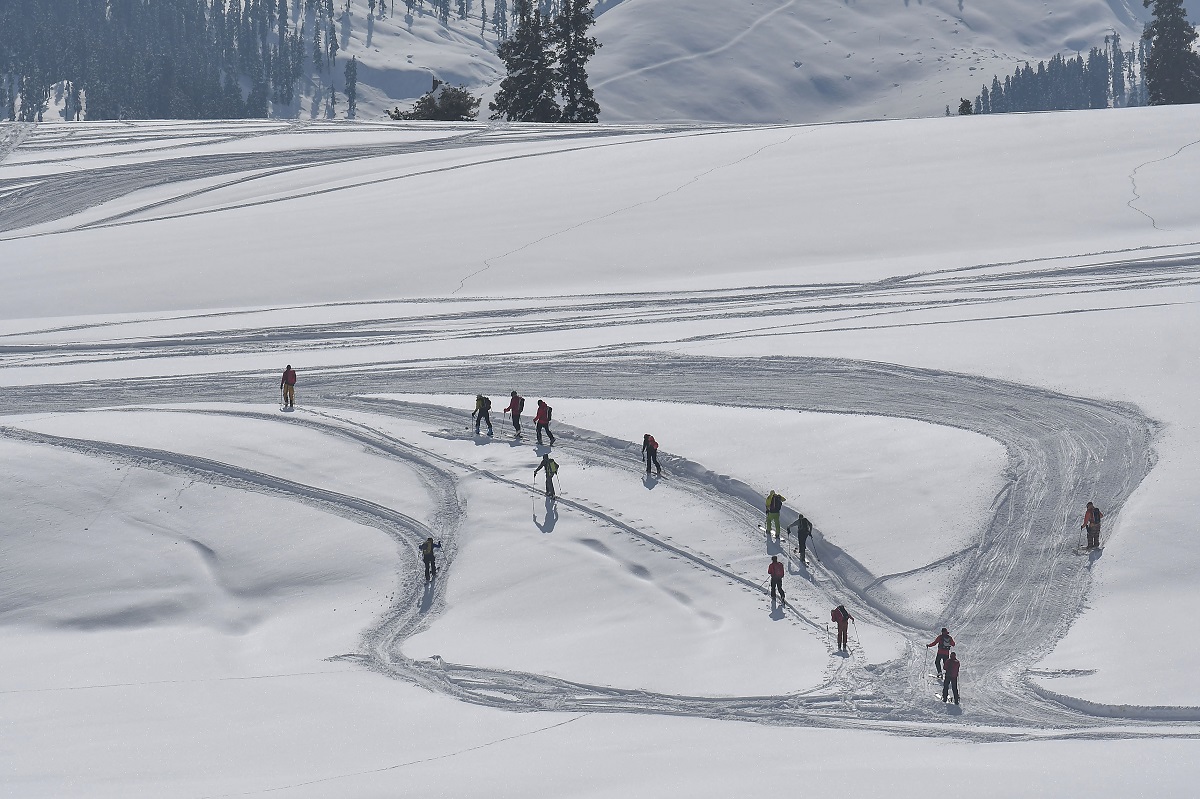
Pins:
x: 58, y: 196
x: 1020, y: 587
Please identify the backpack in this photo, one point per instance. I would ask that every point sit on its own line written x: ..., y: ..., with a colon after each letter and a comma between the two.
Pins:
x: 487, y: 403
x: 838, y: 614
x: 520, y: 404
x: 552, y: 467
x: 549, y: 411
x: 805, y: 527
x: 653, y: 444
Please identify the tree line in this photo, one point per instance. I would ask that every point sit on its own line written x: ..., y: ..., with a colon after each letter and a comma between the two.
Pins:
x: 161, y: 59
x: 1162, y: 69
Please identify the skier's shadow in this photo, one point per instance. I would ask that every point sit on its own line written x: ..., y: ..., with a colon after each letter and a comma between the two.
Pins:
x: 776, y: 611
x: 649, y: 482
x: 551, y: 517
x: 426, y: 598
x: 953, y: 709
x: 482, y: 440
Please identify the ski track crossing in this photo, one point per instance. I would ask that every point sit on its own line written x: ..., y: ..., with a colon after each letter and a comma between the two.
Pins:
x: 1018, y: 587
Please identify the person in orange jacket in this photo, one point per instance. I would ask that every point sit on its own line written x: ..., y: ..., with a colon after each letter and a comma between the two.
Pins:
x: 1091, y: 522
x: 775, y: 572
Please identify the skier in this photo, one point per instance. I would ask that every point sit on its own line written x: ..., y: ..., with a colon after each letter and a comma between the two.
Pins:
x: 551, y: 469
x: 843, y: 619
x: 515, y: 406
x: 774, y: 505
x: 483, y: 412
x: 288, y: 384
x: 427, y: 556
x: 1091, y: 521
x: 951, y: 679
x: 775, y: 572
x: 650, y: 452
x: 542, y: 421
x: 944, y: 644
x: 803, y: 531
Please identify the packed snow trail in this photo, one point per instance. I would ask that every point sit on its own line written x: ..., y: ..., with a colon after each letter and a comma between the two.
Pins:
x: 1021, y: 588
x: 28, y: 202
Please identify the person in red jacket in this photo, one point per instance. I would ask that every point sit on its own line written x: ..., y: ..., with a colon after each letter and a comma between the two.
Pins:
x: 288, y: 384
x: 951, y: 678
x: 542, y: 421
x: 775, y: 572
x: 843, y: 619
x: 944, y: 644
x: 515, y: 406
x: 650, y: 453
x: 1091, y: 521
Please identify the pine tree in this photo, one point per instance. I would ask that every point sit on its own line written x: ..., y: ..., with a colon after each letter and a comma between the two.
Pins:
x: 527, y: 92
x: 1117, y: 60
x: 352, y: 87
x: 965, y: 109
x: 1172, y: 67
x: 574, y: 49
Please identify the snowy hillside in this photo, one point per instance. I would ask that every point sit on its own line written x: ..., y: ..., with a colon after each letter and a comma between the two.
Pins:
x: 753, y: 61
x: 938, y: 338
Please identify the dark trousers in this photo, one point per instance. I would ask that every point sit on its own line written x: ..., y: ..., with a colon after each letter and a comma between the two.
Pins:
x: 777, y: 585
x: 1093, y: 536
x: 948, y: 683
x: 652, y: 457
x: 549, y: 484
x: 430, y: 568
x: 941, y: 658
x: 484, y: 416
x: 517, y: 423
x: 546, y: 427
x: 800, y: 548
x: 843, y: 634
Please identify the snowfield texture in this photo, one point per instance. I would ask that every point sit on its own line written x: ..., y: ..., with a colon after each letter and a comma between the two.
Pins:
x: 938, y: 338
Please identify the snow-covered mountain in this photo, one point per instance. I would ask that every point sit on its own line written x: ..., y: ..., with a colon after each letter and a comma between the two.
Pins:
x: 753, y: 60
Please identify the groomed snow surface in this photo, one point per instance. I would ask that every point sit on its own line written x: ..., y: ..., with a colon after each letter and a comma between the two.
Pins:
x: 938, y: 339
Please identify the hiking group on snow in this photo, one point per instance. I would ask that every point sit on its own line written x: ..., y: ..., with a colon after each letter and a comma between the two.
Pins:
x: 946, y: 663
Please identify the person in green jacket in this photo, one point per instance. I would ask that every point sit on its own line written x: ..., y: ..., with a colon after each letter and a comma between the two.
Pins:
x: 774, y: 505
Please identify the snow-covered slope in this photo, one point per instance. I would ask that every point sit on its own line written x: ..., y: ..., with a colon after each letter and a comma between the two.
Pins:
x: 938, y: 337
x: 751, y: 61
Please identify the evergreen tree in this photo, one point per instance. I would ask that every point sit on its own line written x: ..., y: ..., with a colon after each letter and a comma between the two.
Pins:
x: 574, y: 49
x: 527, y: 92
x: 500, y: 18
x: 965, y: 109
x: 1172, y: 68
x: 444, y: 104
x: 1118, y: 71
x: 352, y: 87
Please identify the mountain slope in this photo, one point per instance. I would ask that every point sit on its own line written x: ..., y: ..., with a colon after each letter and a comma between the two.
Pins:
x: 757, y: 61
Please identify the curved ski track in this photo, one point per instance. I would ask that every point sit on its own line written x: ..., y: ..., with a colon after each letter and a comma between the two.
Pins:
x: 1020, y: 589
